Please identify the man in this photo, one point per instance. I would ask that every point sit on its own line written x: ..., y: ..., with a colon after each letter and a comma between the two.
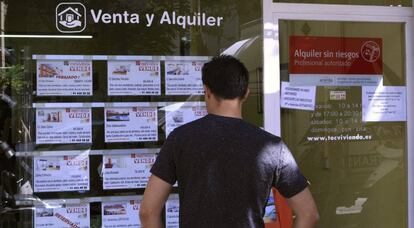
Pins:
x: 225, y: 167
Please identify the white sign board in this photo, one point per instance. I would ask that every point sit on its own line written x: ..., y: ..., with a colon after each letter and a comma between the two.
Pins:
x: 172, y: 209
x: 121, y: 214
x: 178, y: 115
x: 135, y: 124
x: 61, y: 173
x: 63, y: 125
x: 63, y: 216
x: 64, y: 78
x: 134, y: 78
x: 183, y: 78
x: 127, y: 171
x: 384, y: 103
x: 298, y: 97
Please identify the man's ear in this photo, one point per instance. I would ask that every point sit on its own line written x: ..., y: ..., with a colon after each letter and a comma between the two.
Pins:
x: 207, y: 91
x: 246, y: 95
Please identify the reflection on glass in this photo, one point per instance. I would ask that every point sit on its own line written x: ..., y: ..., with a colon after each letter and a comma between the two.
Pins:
x: 357, y: 169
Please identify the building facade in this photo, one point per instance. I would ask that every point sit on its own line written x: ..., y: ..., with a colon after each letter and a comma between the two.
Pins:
x: 91, y: 89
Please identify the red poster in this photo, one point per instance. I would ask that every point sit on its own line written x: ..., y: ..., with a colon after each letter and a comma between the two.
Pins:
x: 355, y: 61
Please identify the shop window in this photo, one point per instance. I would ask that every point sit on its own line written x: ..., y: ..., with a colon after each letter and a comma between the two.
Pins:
x: 91, y: 89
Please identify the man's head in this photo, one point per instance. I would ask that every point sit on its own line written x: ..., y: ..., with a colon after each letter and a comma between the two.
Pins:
x: 226, y: 78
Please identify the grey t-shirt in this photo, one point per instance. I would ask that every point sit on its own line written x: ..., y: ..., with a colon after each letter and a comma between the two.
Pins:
x: 225, y: 168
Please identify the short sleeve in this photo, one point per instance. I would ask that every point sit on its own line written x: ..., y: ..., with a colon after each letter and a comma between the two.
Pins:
x: 289, y: 181
x: 164, y: 166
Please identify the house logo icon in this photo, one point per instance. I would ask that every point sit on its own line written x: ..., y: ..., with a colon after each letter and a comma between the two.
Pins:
x: 70, y: 17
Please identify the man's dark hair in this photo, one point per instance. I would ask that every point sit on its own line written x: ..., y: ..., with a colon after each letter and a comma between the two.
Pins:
x: 226, y: 77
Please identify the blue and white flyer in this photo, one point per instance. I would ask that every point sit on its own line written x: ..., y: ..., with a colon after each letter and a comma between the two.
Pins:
x: 183, y: 77
x: 63, y: 216
x: 121, y: 214
x: 61, y: 173
x: 131, y: 124
x: 63, y: 125
x: 64, y: 78
x: 134, y: 78
x: 127, y: 171
x: 172, y: 209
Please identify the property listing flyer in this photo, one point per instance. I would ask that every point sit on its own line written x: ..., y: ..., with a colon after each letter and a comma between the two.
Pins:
x: 61, y: 173
x: 177, y: 116
x: 121, y: 214
x: 63, y: 125
x: 183, y: 78
x: 172, y: 209
x: 335, y: 61
x: 134, y: 124
x: 127, y: 171
x: 64, y: 78
x: 63, y: 216
x: 134, y: 78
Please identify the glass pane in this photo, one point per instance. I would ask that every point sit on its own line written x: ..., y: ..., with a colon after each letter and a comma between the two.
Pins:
x: 405, y: 3
x: 357, y: 165
x: 75, y: 101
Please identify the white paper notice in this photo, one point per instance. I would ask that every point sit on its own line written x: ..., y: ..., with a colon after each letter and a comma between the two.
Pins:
x: 121, y: 214
x: 179, y: 115
x: 172, y: 209
x: 64, y: 78
x: 384, y: 103
x: 134, y: 78
x: 183, y: 78
x: 270, y: 211
x: 298, y: 97
x: 127, y: 171
x: 64, y: 216
x: 61, y: 173
x: 63, y: 125
x: 136, y: 124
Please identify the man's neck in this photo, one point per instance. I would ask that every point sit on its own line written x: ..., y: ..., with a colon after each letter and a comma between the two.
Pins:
x: 227, y: 108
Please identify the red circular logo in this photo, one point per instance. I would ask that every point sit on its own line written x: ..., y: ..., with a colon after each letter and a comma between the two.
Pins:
x: 370, y: 51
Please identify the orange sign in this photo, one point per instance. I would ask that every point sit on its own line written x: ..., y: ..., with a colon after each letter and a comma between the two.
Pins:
x: 335, y: 55
x: 335, y: 61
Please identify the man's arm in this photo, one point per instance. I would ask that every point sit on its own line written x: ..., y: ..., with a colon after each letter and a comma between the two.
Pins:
x: 304, y: 208
x: 155, y: 195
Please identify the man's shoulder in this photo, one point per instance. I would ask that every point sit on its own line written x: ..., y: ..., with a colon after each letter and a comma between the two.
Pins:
x: 206, y: 126
x: 261, y: 133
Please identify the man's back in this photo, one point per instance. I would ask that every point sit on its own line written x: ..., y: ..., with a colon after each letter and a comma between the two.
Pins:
x: 225, y: 168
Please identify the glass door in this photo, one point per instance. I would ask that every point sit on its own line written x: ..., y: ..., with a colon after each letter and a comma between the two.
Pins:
x: 342, y: 91
x: 352, y: 152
